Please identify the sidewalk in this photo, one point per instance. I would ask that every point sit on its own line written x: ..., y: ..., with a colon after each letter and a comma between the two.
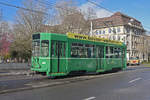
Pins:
x: 15, y: 72
x: 14, y: 66
x: 14, y: 69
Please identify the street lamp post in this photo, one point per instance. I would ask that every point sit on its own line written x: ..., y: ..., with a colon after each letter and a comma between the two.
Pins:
x: 91, y: 30
x: 130, y: 44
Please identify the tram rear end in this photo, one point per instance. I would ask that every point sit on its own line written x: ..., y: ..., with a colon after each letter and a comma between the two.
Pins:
x: 49, y: 54
x: 40, y: 54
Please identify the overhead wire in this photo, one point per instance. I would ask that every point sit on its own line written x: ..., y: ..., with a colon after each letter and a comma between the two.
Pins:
x: 94, y: 3
x: 11, y: 5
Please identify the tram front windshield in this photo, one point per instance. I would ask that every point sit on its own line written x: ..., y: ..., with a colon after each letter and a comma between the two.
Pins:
x: 36, y: 48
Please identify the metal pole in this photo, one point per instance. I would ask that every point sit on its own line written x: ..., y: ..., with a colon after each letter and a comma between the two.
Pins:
x: 91, y: 31
x: 130, y: 23
x: 130, y: 43
x: 143, y: 48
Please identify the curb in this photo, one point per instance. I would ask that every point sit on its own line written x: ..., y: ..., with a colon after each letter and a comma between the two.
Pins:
x: 14, y: 74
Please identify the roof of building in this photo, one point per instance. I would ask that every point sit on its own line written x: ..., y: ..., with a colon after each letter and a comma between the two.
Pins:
x: 117, y: 19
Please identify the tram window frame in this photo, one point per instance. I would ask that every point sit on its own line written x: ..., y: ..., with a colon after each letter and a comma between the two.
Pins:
x: 36, y: 48
x: 44, y: 48
x: 107, y: 52
x: 64, y: 49
x: 79, y: 50
x: 110, y: 52
x: 117, y: 52
x: 100, y: 51
x: 74, y: 50
x: 56, y: 48
x: 35, y: 36
x: 52, y: 49
x: 90, y: 50
x: 61, y: 49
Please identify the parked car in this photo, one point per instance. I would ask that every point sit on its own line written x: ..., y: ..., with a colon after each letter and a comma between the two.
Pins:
x: 133, y: 61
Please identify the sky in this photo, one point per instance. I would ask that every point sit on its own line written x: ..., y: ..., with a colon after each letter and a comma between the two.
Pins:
x: 138, y: 9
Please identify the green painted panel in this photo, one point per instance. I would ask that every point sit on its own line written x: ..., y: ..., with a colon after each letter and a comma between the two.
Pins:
x: 77, y: 64
x: 40, y: 64
x: 113, y: 63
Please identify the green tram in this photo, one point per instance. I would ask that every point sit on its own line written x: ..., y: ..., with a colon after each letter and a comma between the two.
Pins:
x: 59, y: 54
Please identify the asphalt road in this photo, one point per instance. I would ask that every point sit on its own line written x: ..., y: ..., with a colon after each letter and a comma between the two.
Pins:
x: 132, y: 84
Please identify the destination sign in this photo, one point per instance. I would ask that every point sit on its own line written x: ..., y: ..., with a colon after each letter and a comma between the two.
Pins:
x: 91, y: 38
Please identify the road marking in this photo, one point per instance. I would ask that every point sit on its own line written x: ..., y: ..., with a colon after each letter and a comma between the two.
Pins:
x: 90, y: 98
x: 135, y: 80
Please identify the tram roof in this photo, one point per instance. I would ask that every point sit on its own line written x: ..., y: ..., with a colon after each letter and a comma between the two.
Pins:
x: 82, y: 37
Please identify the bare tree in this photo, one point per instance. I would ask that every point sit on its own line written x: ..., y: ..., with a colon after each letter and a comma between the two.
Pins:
x: 68, y: 18
x: 34, y: 19
x: 28, y: 22
x: 90, y: 13
x: 65, y: 8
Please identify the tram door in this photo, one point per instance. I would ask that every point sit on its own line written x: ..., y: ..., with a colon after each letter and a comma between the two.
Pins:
x: 58, y: 54
x: 100, y: 56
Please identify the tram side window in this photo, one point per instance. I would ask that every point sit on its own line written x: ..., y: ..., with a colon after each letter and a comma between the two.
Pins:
x: 82, y: 53
x: 100, y: 52
x: 110, y: 52
x: 117, y: 52
x: 36, y: 48
x: 45, y: 48
x: 82, y: 50
x: 90, y: 51
x: 107, y: 52
x: 74, y: 50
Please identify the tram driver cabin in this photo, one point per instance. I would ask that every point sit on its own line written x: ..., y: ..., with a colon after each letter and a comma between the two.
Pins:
x: 59, y: 54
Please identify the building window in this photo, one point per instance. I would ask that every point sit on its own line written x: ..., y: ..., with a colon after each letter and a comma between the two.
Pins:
x: 114, y: 30
x: 104, y: 32
x: 118, y: 29
x: 114, y: 37
x: 96, y: 32
x: 99, y: 32
x: 127, y: 30
x: 109, y: 30
x: 119, y: 38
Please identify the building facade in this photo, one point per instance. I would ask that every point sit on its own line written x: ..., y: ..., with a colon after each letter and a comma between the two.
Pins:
x: 125, y: 29
x: 148, y: 45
